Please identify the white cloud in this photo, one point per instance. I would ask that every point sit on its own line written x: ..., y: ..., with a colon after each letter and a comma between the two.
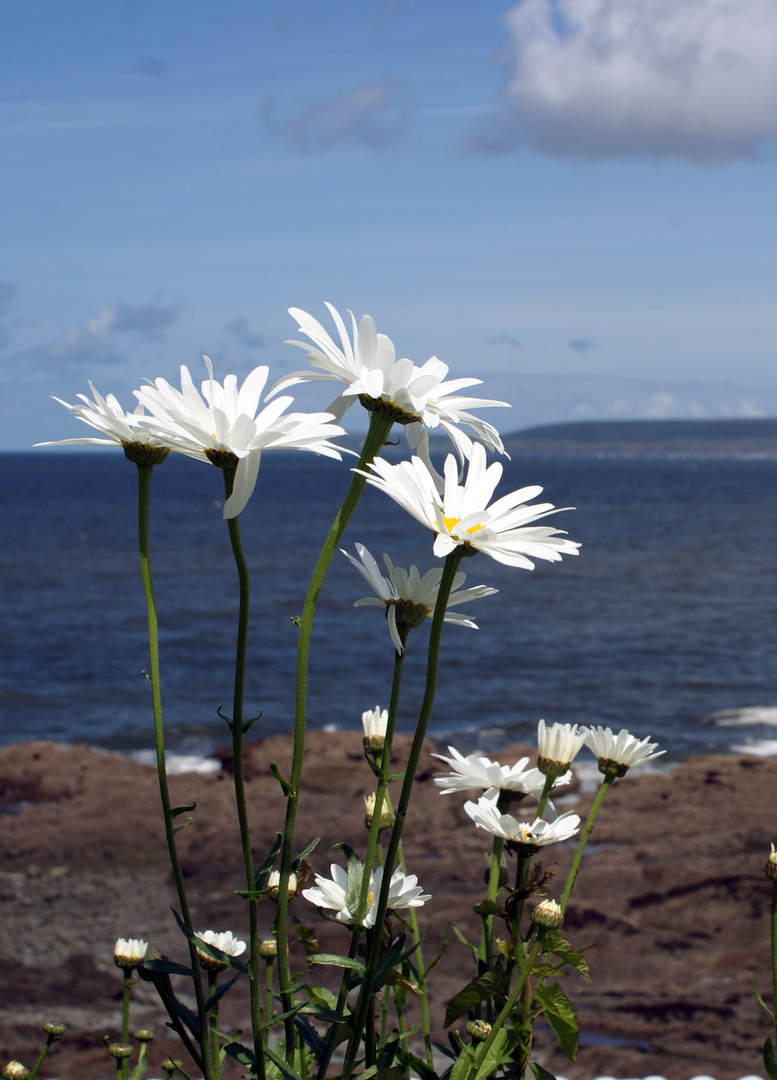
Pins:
x: 370, y: 115
x: 693, y: 79
x: 100, y: 340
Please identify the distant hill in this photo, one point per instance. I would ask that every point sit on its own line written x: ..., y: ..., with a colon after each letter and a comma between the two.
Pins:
x: 755, y: 436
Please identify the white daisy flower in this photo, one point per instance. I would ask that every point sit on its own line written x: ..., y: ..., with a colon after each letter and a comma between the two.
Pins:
x: 128, y: 952
x: 106, y: 415
x: 619, y: 753
x: 224, y: 427
x: 366, y: 362
x: 226, y: 941
x: 334, y: 893
x: 460, y: 514
x: 408, y: 598
x: 374, y: 724
x: 529, y: 836
x: 474, y: 773
x: 557, y: 747
x: 273, y: 883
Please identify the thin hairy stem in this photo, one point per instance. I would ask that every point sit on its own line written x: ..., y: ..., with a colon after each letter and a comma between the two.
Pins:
x: 144, y: 484
x: 380, y: 426
x: 587, y: 829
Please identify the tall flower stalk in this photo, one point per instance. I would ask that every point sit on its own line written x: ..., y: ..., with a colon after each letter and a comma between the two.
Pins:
x: 145, y: 457
x: 365, y: 995
x: 381, y: 422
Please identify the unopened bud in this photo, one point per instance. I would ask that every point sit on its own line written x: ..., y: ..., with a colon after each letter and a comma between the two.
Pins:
x: 268, y: 949
x: 274, y: 880
x: 14, y: 1070
x: 369, y: 813
x: 547, y: 914
x: 478, y: 1030
x: 374, y: 723
x: 119, y: 1050
x: 144, y: 1035
x: 170, y: 1066
x: 54, y: 1030
x: 771, y: 865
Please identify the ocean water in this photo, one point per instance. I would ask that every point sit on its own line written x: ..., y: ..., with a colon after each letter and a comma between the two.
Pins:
x: 666, y: 623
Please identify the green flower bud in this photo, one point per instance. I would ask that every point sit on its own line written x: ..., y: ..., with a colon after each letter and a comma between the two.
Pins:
x: 547, y: 914
x: 14, y: 1070
x: 144, y: 1035
x: 119, y: 1050
x: 478, y: 1030
x: 54, y: 1030
x: 268, y: 949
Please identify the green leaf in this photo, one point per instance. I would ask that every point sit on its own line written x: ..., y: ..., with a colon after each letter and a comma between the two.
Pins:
x: 557, y: 944
x: 286, y: 1070
x: 416, y: 1064
x: 495, y: 1056
x: 355, y: 869
x: 176, y: 810
x: 387, y: 963
x: 560, y: 1014
x: 462, y: 939
x: 334, y: 960
x: 539, y: 1072
x: 481, y: 989
x: 440, y: 951
x: 218, y: 994
x: 296, y: 863
x: 163, y: 966
x: 487, y: 907
x: 761, y: 1001
x: 285, y: 785
x: 770, y: 1062
x: 261, y: 875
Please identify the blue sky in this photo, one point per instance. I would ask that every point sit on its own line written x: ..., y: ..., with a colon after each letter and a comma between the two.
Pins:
x: 572, y: 200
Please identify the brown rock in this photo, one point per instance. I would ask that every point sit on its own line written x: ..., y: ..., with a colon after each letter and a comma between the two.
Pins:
x: 671, y: 897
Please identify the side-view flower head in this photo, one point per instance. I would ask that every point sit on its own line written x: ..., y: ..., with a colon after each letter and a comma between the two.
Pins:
x: 527, y: 836
x: 366, y: 363
x: 226, y: 942
x: 475, y: 773
x: 106, y: 415
x: 460, y: 513
x: 222, y: 425
x: 336, y: 894
x: 558, y: 746
x: 128, y: 952
x: 619, y: 753
x: 408, y: 598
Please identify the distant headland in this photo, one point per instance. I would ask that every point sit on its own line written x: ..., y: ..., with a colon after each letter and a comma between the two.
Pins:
x: 739, y: 436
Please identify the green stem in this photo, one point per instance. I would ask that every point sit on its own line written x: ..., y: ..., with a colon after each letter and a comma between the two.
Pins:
x: 42, y: 1056
x: 381, y: 791
x: 335, y: 1029
x: 509, y: 1005
x: 144, y: 484
x: 239, y: 777
x: 452, y: 561
x: 267, y: 1000
x: 587, y: 829
x: 548, y: 787
x: 380, y: 426
x: 125, y: 1005
x: 213, y: 1023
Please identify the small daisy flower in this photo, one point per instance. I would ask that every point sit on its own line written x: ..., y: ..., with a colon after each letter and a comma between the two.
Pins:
x: 374, y: 724
x: 524, y: 836
x: 335, y: 894
x: 226, y: 942
x: 128, y: 952
x: 408, y: 598
x: 557, y: 747
x: 619, y: 753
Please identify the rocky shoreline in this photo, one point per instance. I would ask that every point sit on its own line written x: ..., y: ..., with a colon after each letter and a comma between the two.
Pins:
x: 671, y: 897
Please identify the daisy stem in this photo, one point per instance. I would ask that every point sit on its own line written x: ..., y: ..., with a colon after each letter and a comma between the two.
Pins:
x: 774, y: 953
x: 238, y: 775
x: 380, y: 426
x: 144, y: 485
x: 125, y: 1006
x: 452, y: 561
x: 213, y: 1024
x: 587, y: 829
x: 267, y: 999
x: 543, y: 800
x: 335, y: 1029
x: 509, y: 1005
x: 381, y: 792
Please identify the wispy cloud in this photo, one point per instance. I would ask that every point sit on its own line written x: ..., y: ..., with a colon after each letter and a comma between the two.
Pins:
x: 102, y: 340
x: 371, y: 114
x: 691, y: 79
x: 505, y: 339
x: 7, y: 296
x: 238, y: 328
x: 581, y: 344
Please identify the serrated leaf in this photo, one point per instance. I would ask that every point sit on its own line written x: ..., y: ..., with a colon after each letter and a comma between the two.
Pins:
x: 488, y: 1065
x: 163, y: 966
x: 216, y: 997
x: 286, y: 1070
x: 770, y: 1062
x: 483, y: 988
x: 560, y: 1014
x: 539, y: 1072
x: 387, y: 963
x: 557, y: 944
x: 286, y: 787
x: 761, y: 1001
x: 400, y: 981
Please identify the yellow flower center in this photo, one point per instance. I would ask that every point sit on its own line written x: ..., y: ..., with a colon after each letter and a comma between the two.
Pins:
x: 451, y: 522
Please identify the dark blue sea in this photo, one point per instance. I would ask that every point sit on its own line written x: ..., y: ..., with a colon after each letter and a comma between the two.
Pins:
x: 666, y: 623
